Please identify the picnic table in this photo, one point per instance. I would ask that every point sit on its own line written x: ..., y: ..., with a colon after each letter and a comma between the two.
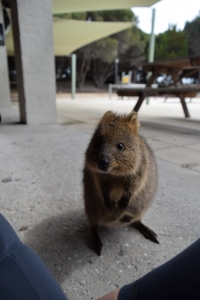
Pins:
x: 118, y: 86
x: 177, y: 68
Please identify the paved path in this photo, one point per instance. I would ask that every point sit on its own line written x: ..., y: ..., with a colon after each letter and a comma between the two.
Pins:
x: 41, y: 188
x: 171, y: 136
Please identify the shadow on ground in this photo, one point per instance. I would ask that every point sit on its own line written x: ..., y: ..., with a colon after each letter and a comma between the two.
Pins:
x: 64, y: 242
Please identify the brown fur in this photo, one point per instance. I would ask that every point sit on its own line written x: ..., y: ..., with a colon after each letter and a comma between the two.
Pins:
x: 119, y: 184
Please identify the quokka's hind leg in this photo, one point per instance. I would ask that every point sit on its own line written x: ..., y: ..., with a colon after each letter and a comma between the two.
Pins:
x: 145, y: 231
x: 96, y: 239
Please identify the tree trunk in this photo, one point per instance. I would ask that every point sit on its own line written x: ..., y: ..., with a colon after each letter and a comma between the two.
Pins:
x: 101, y: 71
x: 83, y: 65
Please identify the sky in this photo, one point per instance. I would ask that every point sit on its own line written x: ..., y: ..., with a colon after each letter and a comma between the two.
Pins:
x: 167, y: 12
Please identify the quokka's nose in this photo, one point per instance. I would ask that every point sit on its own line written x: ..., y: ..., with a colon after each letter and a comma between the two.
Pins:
x: 103, y: 164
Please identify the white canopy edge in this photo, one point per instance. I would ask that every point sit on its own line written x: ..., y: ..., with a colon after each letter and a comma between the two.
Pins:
x: 66, y: 6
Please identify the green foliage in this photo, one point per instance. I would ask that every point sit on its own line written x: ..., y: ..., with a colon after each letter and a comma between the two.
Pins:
x: 74, y: 16
x: 170, y: 44
x: 192, y: 29
x: 192, y: 33
x: 125, y: 15
x: 106, y: 49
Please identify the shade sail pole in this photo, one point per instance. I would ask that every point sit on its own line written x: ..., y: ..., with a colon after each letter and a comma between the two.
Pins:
x: 151, y: 43
x: 152, y: 38
x: 73, y: 75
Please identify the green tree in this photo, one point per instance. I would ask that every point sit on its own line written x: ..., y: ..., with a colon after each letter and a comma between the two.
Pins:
x: 130, y: 46
x: 170, y: 44
x: 98, y: 56
x: 102, y: 66
x: 74, y: 16
x: 192, y: 33
x: 125, y: 15
x: 84, y: 58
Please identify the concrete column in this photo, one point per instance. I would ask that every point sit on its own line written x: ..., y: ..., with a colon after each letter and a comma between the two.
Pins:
x: 34, y: 57
x: 4, y: 80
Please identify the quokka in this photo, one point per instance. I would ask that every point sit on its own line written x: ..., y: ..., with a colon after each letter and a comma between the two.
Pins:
x: 119, y: 176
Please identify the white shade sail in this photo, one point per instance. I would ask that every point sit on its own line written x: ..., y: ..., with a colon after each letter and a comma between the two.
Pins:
x: 70, y: 35
x: 66, y: 6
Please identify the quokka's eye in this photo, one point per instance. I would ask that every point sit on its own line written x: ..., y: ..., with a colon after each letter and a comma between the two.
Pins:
x: 120, y: 146
x: 98, y: 143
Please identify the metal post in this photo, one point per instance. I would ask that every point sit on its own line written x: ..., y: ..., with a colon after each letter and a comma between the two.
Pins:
x: 110, y: 90
x: 73, y: 75
x: 116, y: 70
x: 151, y: 43
x: 152, y: 38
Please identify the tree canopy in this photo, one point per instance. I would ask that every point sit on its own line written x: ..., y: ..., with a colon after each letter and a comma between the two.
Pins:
x: 192, y: 34
x: 175, y: 43
x: 170, y: 44
x: 112, y: 16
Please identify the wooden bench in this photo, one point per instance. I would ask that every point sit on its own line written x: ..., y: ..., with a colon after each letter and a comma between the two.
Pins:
x: 142, y: 93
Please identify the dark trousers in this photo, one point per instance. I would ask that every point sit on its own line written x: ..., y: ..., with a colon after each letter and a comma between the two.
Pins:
x: 177, y: 279
x: 23, y: 275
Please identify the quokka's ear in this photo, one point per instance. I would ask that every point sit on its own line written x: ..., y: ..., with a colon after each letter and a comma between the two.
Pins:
x: 133, y: 120
x: 108, y: 115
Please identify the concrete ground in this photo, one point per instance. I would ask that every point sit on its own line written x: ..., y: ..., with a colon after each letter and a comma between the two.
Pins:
x: 41, y: 189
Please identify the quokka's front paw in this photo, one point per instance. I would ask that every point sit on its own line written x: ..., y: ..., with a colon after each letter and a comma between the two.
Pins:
x: 123, y: 203
x: 109, y: 203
